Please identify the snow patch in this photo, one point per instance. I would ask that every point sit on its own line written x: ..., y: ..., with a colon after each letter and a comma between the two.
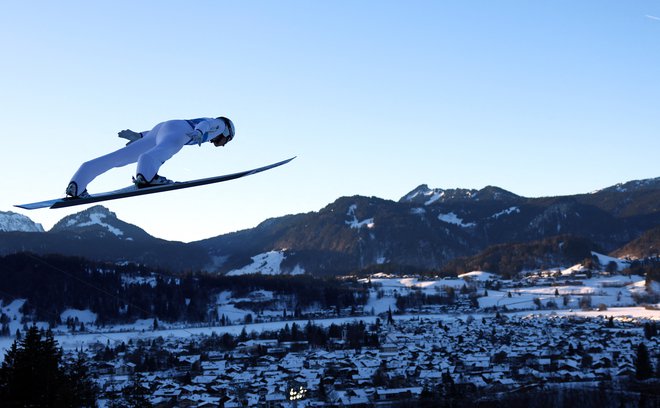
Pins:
x: 13, y: 312
x: 418, y: 211
x: 452, y: 218
x: 479, y: 276
x: 354, y: 223
x: 95, y: 219
x: 297, y: 270
x: 268, y: 263
x: 508, y: 211
x: 225, y: 304
x: 262, y: 295
x: 435, y: 196
x: 605, y: 260
x: 425, y: 192
x: 577, y: 268
x: 140, y: 280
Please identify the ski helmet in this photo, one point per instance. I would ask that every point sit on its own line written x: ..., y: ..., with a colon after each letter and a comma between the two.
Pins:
x: 230, y: 131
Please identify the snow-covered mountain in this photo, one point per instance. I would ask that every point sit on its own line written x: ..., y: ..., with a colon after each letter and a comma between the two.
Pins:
x: 100, y: 222
x: 11, y: 221
x: 423, y: 195
x: 635, y: 185
x: 427, y: 229
x: 97, y: 234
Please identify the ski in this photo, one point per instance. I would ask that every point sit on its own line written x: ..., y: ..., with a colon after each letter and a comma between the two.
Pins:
x: 134, y: 191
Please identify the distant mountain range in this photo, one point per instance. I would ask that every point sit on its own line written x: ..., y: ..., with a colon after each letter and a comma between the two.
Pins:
x: 427, y: 229
x: 98, y: 234
x: 11, y: 221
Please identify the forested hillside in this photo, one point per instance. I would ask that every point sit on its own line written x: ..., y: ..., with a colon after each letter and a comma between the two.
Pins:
x: 118, y: 293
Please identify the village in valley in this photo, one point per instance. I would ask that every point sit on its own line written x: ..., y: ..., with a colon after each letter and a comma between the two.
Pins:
x: 456, y: 358
x: 556, y: 332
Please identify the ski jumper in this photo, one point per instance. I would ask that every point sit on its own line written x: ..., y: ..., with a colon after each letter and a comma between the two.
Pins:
x: 150, y: 152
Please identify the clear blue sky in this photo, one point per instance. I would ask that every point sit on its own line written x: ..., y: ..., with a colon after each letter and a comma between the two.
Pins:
x: 374, y: 97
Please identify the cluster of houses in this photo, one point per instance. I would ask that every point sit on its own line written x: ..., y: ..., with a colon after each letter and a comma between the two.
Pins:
x: 479, y: 352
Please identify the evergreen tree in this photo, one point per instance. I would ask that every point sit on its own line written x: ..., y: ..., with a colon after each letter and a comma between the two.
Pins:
x: 295, y: 332
x: 243, y: 336
x: 650, y: 330
x: 427, y: 398
x: 227, y: 341
x: 285, y: 333
x: 83, y: 389
x: 380, y: 378
x: 30, y: 372
x: 610, y: 322
x: 135, y: 395
x: 334, y: 331
x: 322, y: 394
x: 643, y: 368
x: 33, y: 375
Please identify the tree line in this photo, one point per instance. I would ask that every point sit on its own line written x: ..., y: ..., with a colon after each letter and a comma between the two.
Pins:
x: 34, y: 373
x: 122, y: 293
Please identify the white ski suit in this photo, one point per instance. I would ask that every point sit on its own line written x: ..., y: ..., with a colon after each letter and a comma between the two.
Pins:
x: 152, y: 150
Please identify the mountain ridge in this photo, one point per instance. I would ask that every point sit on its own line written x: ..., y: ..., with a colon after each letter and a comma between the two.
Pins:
x: 11, y: 221
x: 100, y: 221
x: 424, y: 230
x: 439, y: 225
x: 97, y: 234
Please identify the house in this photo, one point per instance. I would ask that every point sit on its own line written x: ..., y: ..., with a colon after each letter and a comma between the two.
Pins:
x: 186, y: 362
x: 355, y: 398
x: 274, y: 399
x: 125, y: 369
x: 396, y: 394
x: 429, y: 376
x: 388, y: 348
x: 213, y: 367
x: 204, y: 379
x: 105, y: 368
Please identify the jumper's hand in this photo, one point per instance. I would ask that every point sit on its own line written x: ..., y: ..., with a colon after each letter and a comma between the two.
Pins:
x: 196, y: 136
x: 130, y: 136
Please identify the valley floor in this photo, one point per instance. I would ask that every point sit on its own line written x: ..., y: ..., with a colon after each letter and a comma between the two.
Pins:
x: 458, y: 358
x: 523, y: 345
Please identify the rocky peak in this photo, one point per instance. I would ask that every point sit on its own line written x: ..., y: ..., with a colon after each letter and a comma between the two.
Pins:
x: 11, y: 221
x: 98, y: 221
x: 423, y: 195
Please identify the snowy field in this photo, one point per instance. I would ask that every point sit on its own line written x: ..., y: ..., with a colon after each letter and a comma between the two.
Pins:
x: 268, y: 263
